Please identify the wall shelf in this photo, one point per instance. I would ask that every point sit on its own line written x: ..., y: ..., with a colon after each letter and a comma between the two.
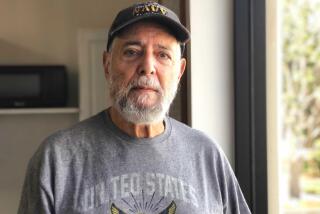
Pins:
x: 15, y: 111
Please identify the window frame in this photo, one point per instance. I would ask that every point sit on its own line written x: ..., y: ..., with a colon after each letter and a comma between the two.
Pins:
x: 250, y: 102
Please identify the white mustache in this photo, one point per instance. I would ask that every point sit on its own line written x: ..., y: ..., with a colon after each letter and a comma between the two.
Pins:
x: 145, y: 82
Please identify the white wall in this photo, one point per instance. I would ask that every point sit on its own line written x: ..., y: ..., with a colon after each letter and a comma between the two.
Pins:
x: 211, y: 24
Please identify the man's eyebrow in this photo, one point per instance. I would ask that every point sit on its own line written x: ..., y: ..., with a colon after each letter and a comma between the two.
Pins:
x: 128, y: 43
x: 164, y: 47
x: 139, y: 43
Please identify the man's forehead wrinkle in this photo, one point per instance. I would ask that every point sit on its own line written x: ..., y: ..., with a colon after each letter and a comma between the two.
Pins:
x: 132, y: 42
x: 166, y: 47
x: 145, y: 26
x: 160, y: 45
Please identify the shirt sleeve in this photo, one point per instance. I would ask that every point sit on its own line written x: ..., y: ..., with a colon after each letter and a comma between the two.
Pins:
x: 233, y: 199
x: 37, y: 196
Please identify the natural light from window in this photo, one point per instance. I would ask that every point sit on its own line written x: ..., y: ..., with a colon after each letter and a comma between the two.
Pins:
x: 299, y: 149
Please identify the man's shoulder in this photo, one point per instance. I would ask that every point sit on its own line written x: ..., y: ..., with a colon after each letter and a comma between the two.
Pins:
x: 75, y: 134
x: 197, y: 142
x: 67, y: 143
x: 192, y: 135
x: 92, y: 123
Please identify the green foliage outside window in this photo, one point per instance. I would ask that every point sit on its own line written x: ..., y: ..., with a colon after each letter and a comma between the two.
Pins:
x: 301, y: 85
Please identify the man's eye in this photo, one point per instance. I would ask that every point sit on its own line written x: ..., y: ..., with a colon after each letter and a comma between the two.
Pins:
x: 131, y: 52
x: 163, y: 55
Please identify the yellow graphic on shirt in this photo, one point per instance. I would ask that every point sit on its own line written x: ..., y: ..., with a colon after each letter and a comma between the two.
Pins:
x: 146, y: 208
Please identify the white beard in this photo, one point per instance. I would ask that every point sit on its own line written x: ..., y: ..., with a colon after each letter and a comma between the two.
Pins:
x: 133, y: 110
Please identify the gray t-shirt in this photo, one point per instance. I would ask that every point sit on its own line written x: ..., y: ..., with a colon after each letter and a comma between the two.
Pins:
x: 94, y: 167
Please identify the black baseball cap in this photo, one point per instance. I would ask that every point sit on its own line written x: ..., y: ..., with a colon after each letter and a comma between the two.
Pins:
x: 148, y: 11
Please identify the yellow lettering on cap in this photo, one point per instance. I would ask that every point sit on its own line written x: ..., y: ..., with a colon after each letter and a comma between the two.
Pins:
x: 154, y: 8
x: 163, y: 10
x: 149, y: 8
x: 146, y: 8
x: 136, y: 11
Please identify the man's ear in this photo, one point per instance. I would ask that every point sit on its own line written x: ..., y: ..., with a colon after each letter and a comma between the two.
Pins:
x: 183, y: 63
x: 106, y: 64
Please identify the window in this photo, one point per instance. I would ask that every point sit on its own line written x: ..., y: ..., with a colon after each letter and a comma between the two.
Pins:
x: 277, y: 87
x: 300, y: 103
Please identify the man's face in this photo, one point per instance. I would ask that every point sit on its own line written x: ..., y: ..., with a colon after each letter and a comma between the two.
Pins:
x: 144, y: 67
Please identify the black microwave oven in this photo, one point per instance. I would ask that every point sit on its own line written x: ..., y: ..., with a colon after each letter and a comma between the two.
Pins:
x: 23, y: 86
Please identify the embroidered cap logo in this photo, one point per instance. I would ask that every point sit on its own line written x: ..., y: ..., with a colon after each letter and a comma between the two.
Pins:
x: 149, y: 9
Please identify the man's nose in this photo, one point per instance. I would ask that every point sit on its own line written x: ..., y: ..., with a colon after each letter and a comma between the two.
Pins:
x: 148, y: 65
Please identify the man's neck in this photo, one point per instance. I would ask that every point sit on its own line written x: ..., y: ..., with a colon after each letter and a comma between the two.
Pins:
x: 136, y: 130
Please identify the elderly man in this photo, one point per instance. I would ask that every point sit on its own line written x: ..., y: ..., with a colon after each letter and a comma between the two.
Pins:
x: 133, y: 158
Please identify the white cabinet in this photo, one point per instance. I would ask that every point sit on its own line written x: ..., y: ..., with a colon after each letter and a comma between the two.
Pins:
x: 19, y: 111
